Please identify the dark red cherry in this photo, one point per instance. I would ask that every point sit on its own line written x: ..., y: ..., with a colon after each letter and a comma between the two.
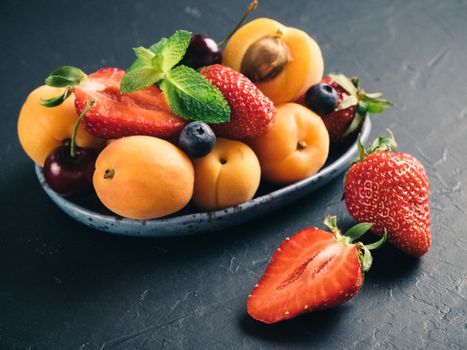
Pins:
x: 69, y: 175
x: 202, y: 51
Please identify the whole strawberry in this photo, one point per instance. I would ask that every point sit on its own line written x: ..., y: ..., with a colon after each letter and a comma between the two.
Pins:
x: 342, y: 105
x: 313, y: 269
x: 391, y: 190
x: 252, y: 113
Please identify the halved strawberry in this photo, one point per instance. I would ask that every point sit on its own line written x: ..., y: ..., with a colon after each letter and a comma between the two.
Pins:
x: 144, y: 112
x: 311, y: 270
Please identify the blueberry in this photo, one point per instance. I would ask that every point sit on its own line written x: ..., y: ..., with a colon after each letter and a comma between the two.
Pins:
x: 321, y: 98
x: 197, y: 139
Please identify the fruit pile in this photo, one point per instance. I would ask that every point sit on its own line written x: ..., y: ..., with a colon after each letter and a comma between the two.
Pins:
x: 385, y: 191
x: 190, y: 123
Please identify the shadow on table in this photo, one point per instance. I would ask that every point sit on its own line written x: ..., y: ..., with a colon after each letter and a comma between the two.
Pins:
x: 311, y: 328
x: 390, y: 265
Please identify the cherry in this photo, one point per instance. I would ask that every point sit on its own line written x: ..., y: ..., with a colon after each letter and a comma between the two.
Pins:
x: 202, y: 51
x: 68, y: 169
x: 69, y: 175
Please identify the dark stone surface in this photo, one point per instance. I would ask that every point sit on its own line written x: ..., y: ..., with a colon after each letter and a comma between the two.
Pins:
x: 64, y: 286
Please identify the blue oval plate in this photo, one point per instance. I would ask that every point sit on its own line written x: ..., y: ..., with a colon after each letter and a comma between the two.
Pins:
x: 89, y: 211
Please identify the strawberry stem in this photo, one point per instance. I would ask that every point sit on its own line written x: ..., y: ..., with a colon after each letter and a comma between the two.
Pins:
x: 251, y: 7
x: 89, y: 105
x: 383, y: 143
x: 331, y: 223
x: 361, y: 150
x: 364, y: 254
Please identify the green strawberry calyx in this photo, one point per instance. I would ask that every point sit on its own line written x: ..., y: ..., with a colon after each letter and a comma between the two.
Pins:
x: 366, y: 102
x: 380, y: 144
x: 352, y: 235
x: 63, y: 77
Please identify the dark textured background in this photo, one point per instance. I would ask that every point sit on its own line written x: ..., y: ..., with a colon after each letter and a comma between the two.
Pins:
x: 64, y: 286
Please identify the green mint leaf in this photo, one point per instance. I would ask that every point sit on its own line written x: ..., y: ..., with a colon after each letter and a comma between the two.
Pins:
x: 157, y: 62
x: 65, y: 76
x: 157, y: 47
x: 138, y: 79
x: 193, y: 97
x: 154, y: 48
x: 56, y: 101
x: 144, y: 55
x: 174, y: 49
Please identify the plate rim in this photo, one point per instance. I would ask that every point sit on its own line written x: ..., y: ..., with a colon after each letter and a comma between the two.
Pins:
x: 197, y: 217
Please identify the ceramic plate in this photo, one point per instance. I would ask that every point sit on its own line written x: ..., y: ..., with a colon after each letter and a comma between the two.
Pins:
x: 89, y: 211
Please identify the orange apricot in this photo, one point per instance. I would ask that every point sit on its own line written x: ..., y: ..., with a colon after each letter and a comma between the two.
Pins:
x: 143, y: 177
x: 227, y: 176
x: 283, y: 61
x: 296, y: 147
x: 42, y: 129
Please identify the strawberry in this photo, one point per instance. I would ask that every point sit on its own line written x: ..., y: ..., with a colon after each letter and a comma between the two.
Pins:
x: 314, y: 269
x: 252, y: 113
x: 351, y: 107
x: 144, y: 112
x: 391, y: 190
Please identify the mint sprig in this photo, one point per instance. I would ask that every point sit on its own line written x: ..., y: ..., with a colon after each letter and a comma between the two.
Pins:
x: 192, y: 96
x: 189, y: 94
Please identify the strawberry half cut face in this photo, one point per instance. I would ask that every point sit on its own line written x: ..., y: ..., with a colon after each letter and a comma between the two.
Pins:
x: 314, y: 269
x: 144, y: 112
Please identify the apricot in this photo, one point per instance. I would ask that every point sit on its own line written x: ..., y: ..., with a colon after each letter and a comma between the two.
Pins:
x: 227, y: 176
x: 143, y: 177
x: 296, y: 146
x: 42, y: 129
x: 283, y: 61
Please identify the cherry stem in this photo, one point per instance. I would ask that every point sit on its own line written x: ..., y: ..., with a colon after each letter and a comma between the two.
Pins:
x: 251, y: 7
x: 89, y: 105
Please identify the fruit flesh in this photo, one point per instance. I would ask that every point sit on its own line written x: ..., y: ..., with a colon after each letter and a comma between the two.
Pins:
x: 303, y: 70
x: 308, y: 271
x: 144, y: 112
x: 42, y: 129
x: 227, y: 176
x: 296, y: 147
x: 143, y: 177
